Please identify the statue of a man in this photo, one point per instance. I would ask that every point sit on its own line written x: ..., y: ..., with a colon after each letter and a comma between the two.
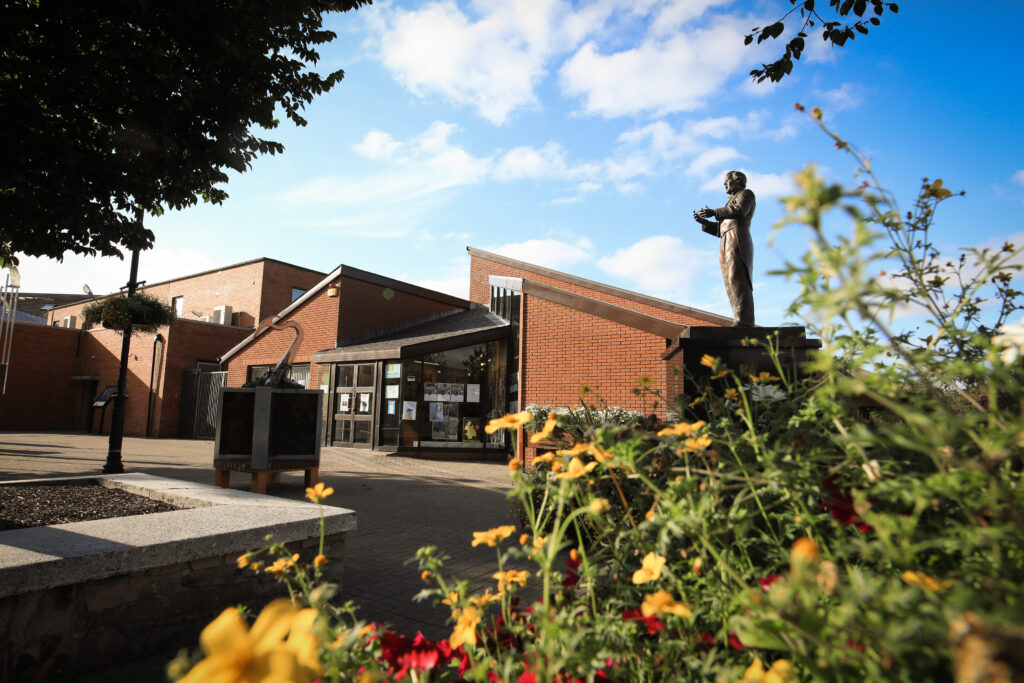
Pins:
x: 736, y: 249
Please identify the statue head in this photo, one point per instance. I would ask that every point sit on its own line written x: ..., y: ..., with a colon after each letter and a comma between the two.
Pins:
x: 735, y: 181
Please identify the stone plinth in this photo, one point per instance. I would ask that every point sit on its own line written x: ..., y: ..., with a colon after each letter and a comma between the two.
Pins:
x: 733, y: 346
x: 265, y: 431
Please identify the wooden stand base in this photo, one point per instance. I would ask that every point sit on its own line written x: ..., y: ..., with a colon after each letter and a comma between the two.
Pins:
x: 260, y: 478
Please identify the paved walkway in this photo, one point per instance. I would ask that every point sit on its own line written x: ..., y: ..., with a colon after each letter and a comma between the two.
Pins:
x: 401, y: 503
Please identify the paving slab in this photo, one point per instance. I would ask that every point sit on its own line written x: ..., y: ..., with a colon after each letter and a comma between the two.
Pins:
x: 402, y: 504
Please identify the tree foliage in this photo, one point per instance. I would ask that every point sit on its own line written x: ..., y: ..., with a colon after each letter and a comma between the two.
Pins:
x: 835, y: 32
x: 121, y: 104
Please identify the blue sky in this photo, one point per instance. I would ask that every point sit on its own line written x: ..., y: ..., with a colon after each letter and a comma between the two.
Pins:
x: 581, y: 136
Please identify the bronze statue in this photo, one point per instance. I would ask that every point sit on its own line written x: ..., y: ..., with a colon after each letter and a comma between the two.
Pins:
x: 736, y: 249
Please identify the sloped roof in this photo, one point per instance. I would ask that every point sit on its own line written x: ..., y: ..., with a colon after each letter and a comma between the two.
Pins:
x: 629, y: 295
x: 356, y: 274
x: 454, y: 328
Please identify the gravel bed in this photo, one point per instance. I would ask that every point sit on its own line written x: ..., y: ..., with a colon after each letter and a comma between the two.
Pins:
x: 43, y: 504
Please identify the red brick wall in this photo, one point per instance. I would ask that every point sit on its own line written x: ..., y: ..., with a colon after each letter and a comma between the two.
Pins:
x: 253, y: 290
x: 278, y: 280
x: 187, y: 342
x: 40, y: 393
x: 101, y: 354
x: 366, y: 307
x: 564, y: 348
x: 319, y: 319
x: 480, y: 290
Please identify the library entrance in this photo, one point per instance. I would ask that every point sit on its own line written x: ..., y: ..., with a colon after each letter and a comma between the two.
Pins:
x: 355, y: 389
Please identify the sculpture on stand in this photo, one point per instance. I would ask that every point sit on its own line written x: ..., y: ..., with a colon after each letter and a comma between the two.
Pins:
x: 270, y: 424
x: 731, y: 225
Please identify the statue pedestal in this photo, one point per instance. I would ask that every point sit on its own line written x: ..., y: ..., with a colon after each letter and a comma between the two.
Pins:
x: 687, y: 376
x: 266, y: 430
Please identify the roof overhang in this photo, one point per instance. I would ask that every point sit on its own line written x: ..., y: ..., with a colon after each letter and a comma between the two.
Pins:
x: 410, y: 349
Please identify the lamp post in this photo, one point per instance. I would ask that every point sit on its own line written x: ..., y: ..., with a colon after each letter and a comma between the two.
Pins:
x: 113, y: 465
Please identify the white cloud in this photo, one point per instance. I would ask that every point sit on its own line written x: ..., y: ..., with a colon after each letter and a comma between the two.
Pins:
x: 716, y: 156
x: 456, y: 286
x: 671, y: 17
x: 1018, y: 177
x: 108, y: 274
x: 663, y: 265
x: 549, y: 253
x: 846, y: 96
x: 676, y: 74
x: 630, y: 188
x: 377, y: 145
x: 533, y: 164
x: 763, y: 184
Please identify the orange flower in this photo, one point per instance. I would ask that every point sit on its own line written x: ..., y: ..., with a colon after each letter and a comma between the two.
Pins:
x: 509, y: 577
x: 576, y: 469
x: 577, y: 449
x: 599, y: 506
x: 804, y: 552
x: 464, y: 632
x: 662, y: 602
x: 319, y: 492
x: 510, y: 421
x: 546, y: 457
x: 697, y: 444
x: 425, y: 575
x: 650, y: 570
x: 708, y: 361
x: 320, y: 560
x: 682, y: 428
x: 549, y: 427
x: 763, y: 377
x: 493, y: 537
x: 922, y: 580
x: 513, y: 465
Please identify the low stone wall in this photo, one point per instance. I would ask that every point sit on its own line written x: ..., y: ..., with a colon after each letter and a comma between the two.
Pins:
x: 84, y: 596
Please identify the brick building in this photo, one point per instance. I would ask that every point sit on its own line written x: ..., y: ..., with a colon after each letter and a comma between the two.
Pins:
x: 58, y: 370
x: 402, y: 367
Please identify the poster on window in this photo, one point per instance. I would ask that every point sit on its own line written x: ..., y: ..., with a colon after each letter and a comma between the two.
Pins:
x: 472, y: 393
x: 429, y: 391
x: 344, y: 403
x: 409, y: 410
x: 472, y: 429
x: 391, y: 391
x: 444, y: 391
x: 436, y: 412
x: 437, y: 431
x: 392, y: 407
x: 364, y: 404
x: 393, y: 371
x: 452, y: 431
x: 458, y: 392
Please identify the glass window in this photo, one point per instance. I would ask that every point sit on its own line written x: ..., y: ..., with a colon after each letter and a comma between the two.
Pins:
x: 297, y: 292
x: 345, y: 376
x: 256, y: 372
x: 364, y: 376
x: 361, y: 431
x: 364, y: 403
x: 343, y: 402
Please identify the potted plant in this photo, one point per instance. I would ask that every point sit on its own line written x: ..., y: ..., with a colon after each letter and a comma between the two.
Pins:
x: 143, y: 312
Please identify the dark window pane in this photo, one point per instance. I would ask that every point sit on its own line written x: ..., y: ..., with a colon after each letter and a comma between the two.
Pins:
x: 362, y: 432
x: 343, y: 431
x: 344, y: 375
x: 365, y: 376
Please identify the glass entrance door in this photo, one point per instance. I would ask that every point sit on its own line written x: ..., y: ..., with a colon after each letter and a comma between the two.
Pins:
x: 355, y: 386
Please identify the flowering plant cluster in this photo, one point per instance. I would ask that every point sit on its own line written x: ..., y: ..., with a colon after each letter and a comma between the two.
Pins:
x: 140, y: 310
x: 862, y: 522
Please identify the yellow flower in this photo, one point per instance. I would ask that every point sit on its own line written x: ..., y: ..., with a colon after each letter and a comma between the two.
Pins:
x: 781, y: 672
x: 538, y: 545
x: 523, y: 538
x: 662, y: 602
x: 546, y: 457
x: 509, y: 577
x: 281, y: 564
x: 493, y: 537
x: 577, y: 449
x: 234, y: 652
x: 487, y: 597
x: 320, y: 560
x: 650, y: 570
x: 697, y: 444
x: 599, y: 506
x: 513, y: 465
x: 319, y: 492
x: 549, y: 427
x: 708, y: 361
x: 557, y: 466
x: 763, y: 377
x: 510, y: 421
x: 922, y: 580
x: 599, y: 453
x: 649, y: 515
x: 696, y: 401
x: 574, y: 555
x: 576, y: 469
x: 464, y: 632
x: 720, y: 374
x: 452, y: 598
x: 732, y: 394
x: 243, y: 561
x: 425, y: 575
x: 682, y: 428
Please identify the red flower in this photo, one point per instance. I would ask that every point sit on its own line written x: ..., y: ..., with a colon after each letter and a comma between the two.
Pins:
x: 735, y: 642
x: 705, y: 641
x: 652, y: 623
x: 572, y: 577
x: 767, y: 581
x: 840, y: 504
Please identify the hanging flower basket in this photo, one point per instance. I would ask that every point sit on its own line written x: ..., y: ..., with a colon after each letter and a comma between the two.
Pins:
x: 143, y: 312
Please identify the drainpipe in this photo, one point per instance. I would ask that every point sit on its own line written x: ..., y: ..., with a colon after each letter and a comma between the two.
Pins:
x: 152, y: 374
